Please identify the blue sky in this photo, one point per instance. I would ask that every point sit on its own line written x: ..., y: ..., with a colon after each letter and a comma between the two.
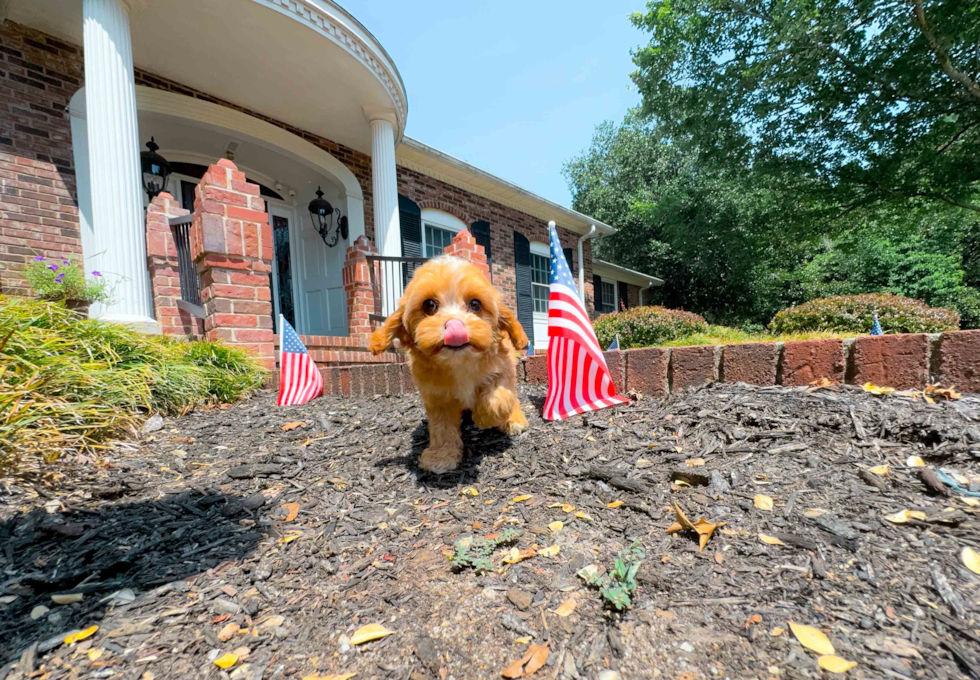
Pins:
x: 513, y: 87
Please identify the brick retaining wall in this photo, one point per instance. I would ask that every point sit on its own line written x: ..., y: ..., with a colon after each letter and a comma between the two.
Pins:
x: 900, y: 361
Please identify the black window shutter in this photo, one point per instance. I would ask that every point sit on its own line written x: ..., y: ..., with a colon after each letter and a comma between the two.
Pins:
x: 522, y: 271
x: 410, y: 216
x: 597, y: 292
x: 481, y: 234
x: 569, y: 259
x: 624, y: 295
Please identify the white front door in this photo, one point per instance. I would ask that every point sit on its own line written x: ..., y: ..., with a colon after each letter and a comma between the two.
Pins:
x: 322, y: 298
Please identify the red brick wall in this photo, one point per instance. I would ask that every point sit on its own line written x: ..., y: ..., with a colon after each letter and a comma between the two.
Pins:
x: 38, y: 213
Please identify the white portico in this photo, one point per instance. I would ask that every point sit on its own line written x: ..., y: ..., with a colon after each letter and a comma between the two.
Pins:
x: 244, y: 53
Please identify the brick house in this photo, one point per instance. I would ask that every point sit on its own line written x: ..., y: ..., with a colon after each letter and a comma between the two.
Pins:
x: 251, y: 141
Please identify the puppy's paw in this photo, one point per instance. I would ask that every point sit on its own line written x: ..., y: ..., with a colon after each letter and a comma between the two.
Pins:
x: 495, y: 409
x: 440, y: 460
x: 516, y: 423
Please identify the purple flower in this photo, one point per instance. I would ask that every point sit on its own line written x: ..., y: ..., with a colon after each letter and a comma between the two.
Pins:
x: 96, y: 273
x: 59, y: 278
x: 66, y: 262
x: 39, y: 258
x: 53, y: 267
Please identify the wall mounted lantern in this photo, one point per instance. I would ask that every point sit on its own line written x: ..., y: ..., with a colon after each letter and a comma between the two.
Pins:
x: 156, y: 170
x: 326, y: 218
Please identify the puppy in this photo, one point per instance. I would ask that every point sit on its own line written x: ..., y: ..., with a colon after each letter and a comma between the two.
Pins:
x: 460, y: 340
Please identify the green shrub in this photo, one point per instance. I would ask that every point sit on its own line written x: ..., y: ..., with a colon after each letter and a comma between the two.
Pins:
x: 647, y: 326
x: 855, y: 314
x: 70, y: 384
x: 59, y: 279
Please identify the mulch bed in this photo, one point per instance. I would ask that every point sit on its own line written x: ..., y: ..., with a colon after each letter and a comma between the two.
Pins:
x: 301, y: 535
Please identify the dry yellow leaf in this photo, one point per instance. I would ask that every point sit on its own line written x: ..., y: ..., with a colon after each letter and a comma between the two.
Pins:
x: 811, y: 638
x: 549, y: 552
x: 292, y: 510
x: 915, y: 461
x: 67, y: 599
x: 533, y: 659
x: 770, y: 540
x: 971, y: 559
x: 875, y: 389
x: 776, y: 632
x: 226, y: 661
x: 514, y: 555
x: 523, y: 640
x: 372, y: 631
x: 703, y: 528
x: 880, y: 470
x: 291, y: 426
x: 94, y: 654
x: 947, y: 393
x: 228, y: 632
x: 695, y: 462
x: 680, y: 482
x: 470, y: 492
x: 293, y: 535
x: 835, y: 664
x: 763, y: 502
x: 80, y: 635
x: 522, y: 498
x: 614, y: 504
x: 972, y: 502
x: 905, y: 515
x: 582, y: 515
x: 565, y: 608
x: 556, y: 526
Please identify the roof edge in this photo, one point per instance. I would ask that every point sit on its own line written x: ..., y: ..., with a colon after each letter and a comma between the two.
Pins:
x: 651, y: 281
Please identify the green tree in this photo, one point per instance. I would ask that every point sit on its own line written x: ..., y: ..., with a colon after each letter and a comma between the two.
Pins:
x: 846, y: 101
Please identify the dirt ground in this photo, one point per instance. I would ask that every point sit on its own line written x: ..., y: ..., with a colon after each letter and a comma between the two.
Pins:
x: 300, y: 535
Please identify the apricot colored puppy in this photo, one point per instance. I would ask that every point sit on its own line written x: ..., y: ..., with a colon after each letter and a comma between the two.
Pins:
x: 460, y: 341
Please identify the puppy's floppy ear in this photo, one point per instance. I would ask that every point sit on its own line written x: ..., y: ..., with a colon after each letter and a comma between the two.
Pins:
x: 508, y: 322
x: 392, y: 328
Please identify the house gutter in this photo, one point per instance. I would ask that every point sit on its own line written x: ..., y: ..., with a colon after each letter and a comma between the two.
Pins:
x: 581, y: 261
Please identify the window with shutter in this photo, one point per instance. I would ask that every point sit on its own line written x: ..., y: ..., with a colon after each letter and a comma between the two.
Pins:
x: 481, y: 233
x: 624, y: 296
x: 522, y: 271
x: 410, y: 216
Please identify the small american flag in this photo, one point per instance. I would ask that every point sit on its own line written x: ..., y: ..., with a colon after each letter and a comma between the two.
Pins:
x: 876, y: 327
x: 578, y: 378
x: 299, y: 378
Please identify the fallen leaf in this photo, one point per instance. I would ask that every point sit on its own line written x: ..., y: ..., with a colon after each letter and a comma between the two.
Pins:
x: 372, y: 631
x: 770, y: 540
x: 972, y: 502
x: 583, y: 515
x: 695, y: 462
x: 514, y: 555
x: 565, y: 608
x: 80, y: 635
x: 813, y: 513
x: 680, y: 483
x: 703, y: 528
x: 533, y: 659
x: 776, y: 632
x: 905, y: 515
x: 755, y: 618
x: 587, y: 571
x: 522, y: 498
x: 523, y: 640
x: 763, y: 502
x: 875, y: 389
x: 292, y: 510
x: 811, y: 638
x: 971, y: 559
x: 915, y: 461
x: 470, y: 492
x: 947, y: 393
x: 719, y: 558
x: 835, y: 664
x: 556, y: 526
x: 67, y: 599
x: 549, y: 552
x: 286, y: 428
x: 821, y: 384
x: 614, y: 504
x: 241, y: 652
x: 226, y: 661
x: 293, y: 535
x: 880, y: 470
x: 94, y: 654
x: 272, y: 621
x: 228, y: 632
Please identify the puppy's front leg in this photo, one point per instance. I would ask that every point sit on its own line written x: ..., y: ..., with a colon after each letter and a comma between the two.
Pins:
x: 499, y: 407
x: 445, y: 441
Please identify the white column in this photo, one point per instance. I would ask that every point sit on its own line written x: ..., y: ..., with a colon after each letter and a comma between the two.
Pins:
x: 384, y: 182
x: 114, y: 165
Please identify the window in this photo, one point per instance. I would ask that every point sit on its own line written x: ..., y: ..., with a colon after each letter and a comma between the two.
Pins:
x: 438, y: 230
x: 607, y: 301
x: 540, y: 281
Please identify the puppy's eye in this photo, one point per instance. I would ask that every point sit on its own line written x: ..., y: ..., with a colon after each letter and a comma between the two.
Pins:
x: 430, y: 306
x: 475, y: 305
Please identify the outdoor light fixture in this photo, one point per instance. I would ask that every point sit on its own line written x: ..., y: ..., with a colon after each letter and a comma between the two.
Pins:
x: 156, y: 170
x: 324, y: 215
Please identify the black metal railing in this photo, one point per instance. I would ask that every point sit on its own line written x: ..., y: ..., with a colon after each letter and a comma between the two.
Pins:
x: 190, y: 281
x: 389, y: 276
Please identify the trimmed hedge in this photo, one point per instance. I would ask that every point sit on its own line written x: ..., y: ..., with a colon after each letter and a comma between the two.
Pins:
x: 647, y: 326
x: 855, y: 314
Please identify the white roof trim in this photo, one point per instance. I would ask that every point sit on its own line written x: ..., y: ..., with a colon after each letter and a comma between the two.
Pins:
x: 431, y: 162
x: 614, y: 271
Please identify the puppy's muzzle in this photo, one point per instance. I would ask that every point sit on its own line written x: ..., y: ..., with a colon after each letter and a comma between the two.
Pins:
x: 455, y: 334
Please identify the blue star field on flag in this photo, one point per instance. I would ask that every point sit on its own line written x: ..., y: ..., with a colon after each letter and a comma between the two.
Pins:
x: 290, y: 340
x: 876, y: 327
x: 560, y: 273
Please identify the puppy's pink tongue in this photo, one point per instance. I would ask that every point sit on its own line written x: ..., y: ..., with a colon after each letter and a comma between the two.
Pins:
x: 455, y: 333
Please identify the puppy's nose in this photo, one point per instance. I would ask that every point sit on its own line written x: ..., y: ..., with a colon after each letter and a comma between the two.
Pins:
x: 455, y: 333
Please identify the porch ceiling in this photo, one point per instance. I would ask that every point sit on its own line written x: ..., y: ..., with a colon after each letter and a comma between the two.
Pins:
x: 303, y: 62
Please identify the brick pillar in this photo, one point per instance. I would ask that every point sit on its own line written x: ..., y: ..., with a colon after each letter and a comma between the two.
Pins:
x: 357, y: 285
x: 161, y: 260
x: 465, y: 247
x: 231, y: 243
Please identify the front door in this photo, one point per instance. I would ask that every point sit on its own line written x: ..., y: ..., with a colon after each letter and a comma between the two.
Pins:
x: 321, y: 282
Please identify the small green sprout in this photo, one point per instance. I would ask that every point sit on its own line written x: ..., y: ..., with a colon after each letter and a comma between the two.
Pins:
x: 619, y: 587
x: 476, y: 553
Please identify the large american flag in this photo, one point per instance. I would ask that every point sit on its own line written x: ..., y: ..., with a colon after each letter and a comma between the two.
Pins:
x: 299, y: 378
x: 578, y: 378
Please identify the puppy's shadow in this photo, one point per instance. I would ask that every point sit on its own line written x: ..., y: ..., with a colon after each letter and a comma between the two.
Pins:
x: 477, y: 445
